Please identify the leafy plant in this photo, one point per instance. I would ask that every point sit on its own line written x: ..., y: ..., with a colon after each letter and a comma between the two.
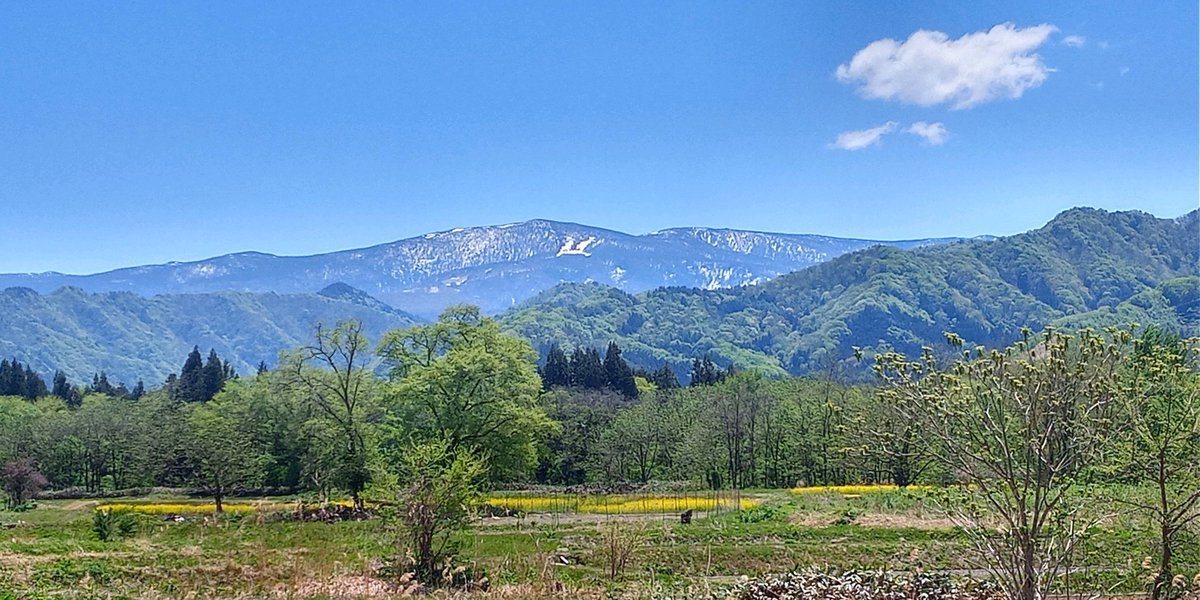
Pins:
x: 437, y: 501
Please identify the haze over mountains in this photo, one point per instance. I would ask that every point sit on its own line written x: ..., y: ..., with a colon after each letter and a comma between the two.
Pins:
x: 495, y: 267
x: 1086, y: 267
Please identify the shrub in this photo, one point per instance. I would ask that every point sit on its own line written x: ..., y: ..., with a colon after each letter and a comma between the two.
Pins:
x: 110, y: 524
x: 22, y: 481
x: 438, y: 501
x: 760, y: 514
x: 618, y: 542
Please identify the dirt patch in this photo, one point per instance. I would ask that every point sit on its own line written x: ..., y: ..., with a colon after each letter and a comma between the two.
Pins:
x: 351, y: 586
x: 893, y: 521
x: 80, y: 504
x: 9, y: 559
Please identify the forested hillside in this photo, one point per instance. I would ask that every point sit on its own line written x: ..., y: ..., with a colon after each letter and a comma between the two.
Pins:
x: 131, y: 337
x: 1085, y: 267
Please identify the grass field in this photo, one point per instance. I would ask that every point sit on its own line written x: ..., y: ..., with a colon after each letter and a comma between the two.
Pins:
x: 52, y: 552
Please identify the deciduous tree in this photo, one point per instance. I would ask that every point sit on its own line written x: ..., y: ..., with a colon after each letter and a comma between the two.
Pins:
x: 465, y: 382
x: 1018, y: 425
x: 1159, y: 440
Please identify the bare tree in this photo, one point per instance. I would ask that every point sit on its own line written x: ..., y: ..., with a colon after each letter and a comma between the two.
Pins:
x: 1017, y: 424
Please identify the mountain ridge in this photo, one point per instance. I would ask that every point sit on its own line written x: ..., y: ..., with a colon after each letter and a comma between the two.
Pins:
x: 1084, y: 268
x: 130, y: 337
x: 495, y: 267
x: 1082, y: 261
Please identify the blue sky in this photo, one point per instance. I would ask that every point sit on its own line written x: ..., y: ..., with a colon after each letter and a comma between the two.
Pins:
x: 147, y: 132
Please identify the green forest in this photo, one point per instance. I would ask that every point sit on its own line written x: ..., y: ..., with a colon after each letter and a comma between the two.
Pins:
x: 1031, y: 434
x: 1084, y: 268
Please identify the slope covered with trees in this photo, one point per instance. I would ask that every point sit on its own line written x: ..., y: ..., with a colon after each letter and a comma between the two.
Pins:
x: 129, y: 337
x: 1086, y: 266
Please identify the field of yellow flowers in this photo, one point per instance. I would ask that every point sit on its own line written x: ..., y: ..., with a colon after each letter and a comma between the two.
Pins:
x: 617, y: 504
x: 52, y: 550
x: 856, y: 490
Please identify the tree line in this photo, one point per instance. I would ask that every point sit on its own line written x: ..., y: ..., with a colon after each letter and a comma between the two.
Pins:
x: 1025, y: 427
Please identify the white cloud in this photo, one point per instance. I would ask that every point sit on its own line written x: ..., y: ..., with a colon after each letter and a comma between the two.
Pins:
x: 863, y: 138
x: 934, y: 134
x: 929, y: 68
x: 1074, y: 41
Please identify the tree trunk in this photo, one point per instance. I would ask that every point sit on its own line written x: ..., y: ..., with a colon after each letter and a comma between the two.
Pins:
x: 1028, y: 589
x: 219, y: 500
x: 1163, y: 580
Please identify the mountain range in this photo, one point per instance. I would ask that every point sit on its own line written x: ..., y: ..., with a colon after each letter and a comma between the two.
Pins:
x: 1086, y: 267
x: 495, y: 267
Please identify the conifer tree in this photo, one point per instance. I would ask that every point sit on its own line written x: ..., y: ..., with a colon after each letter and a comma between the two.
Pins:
x: 35, y: 386
x: 618, y: 375
x: 586, y: 369
x: 101, y: 385
x: 664, y: 378
x: 557, y: 372
x: 62, y: 388
x: 20, y: 380
x: 706, y: 372
x: 10, y: 384
x: 214, y: 376
x: 190, y: 386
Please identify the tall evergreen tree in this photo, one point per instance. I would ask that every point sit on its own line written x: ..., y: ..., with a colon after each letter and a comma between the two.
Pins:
x: 190, y: 387
x: 587, y: 371
x: 171, y: 386
x: 617, y: 374
x: 35, y: 386
x: 557, y: 372
x: 139, y: 390
x: 664, y: 378
x: 20, y: 380
x: 214, y: 376
x: 101, y: 385
x: 706, y: 372
x: 62, y: 388
x: 9, y: 382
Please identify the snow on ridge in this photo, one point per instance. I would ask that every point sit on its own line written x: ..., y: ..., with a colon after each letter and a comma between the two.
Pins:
x: 570, y: 246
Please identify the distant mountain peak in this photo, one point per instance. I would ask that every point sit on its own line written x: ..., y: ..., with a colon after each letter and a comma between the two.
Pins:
x: 349, y: 293
x: 494, y: 266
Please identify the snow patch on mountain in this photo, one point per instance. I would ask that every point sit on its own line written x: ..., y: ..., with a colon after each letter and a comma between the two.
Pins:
x: 493, y: 267
x: 570, y: 246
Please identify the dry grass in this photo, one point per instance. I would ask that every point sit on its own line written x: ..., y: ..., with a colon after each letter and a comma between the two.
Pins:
x: 904, y: 521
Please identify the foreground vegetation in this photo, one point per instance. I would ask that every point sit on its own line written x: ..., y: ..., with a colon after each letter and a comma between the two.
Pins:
x: 53, y: 551
x: 1031, y: 467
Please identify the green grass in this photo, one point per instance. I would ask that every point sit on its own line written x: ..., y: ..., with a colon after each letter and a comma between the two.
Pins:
x: 51, y: 551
